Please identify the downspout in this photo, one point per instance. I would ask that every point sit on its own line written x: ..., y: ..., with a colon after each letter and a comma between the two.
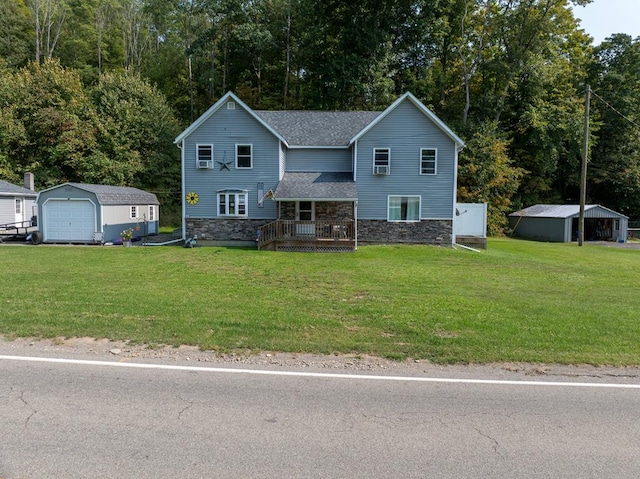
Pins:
x: 183, y: 191
x: 355, y: 223
x: 355, y: 203
x: 355, y: 161
x: 455, y: 193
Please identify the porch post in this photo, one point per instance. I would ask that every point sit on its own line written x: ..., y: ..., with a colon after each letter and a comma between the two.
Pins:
x: 355, y: 223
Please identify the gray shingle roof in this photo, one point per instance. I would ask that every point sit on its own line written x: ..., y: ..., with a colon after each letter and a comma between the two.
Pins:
x: 119, y: 195
x: 318, y: 128
x: 9, y: 189
x: 317, y: 186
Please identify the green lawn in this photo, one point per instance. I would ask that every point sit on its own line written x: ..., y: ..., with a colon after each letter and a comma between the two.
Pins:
x: 517, y: 301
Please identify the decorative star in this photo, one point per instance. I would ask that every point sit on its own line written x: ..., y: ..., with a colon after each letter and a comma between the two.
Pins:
x: 224, y: 165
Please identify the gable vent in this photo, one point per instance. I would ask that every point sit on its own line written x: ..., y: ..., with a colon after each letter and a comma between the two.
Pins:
x: 231, y: 105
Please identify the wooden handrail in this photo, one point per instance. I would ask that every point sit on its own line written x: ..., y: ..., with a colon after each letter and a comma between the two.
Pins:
x: 300, y: 230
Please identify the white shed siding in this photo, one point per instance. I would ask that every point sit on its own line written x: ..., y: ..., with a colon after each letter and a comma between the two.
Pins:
x: 405, y: 131
x: 121, y: 214
x: 224, y: 130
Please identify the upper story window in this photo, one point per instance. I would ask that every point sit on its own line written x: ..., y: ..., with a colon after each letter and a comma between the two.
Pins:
x: 381, y: 161
x: 133, y: 212
x: 403, y: 208
x: 243, y: 156
x: 428, y: 161
x: 204, y: 156
x: 232, y: 203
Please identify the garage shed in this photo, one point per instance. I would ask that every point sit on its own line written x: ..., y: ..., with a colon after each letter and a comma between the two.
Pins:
x: 559, y: 223
x: 83, y: 213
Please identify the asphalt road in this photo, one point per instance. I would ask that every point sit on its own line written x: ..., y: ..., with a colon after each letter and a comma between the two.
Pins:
x: 95, y: 420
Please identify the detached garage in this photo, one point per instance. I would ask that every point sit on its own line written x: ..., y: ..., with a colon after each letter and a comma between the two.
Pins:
x: 81, y: 213
x: 560, y: 223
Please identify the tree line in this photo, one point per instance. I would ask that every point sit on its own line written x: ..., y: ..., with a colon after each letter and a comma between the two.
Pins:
x: 96, y: 90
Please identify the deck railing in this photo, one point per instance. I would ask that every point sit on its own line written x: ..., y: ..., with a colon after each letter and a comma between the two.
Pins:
x: 322, y: 231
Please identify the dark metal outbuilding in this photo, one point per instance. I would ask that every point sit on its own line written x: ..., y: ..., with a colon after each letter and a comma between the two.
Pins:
x: 559, y: 223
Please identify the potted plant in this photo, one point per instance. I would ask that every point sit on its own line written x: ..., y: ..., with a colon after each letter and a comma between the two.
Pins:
x: 126, y: 236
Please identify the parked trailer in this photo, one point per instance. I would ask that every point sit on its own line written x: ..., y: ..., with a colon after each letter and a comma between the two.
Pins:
x: 19, y: 230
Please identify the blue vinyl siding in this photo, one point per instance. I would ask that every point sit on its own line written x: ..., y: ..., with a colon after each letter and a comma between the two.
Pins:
x: 304, y: 160
x: 405, y: 130
x: 224, y: 129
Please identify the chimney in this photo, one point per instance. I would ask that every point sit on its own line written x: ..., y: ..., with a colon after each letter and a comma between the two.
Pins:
x: 29, y: 181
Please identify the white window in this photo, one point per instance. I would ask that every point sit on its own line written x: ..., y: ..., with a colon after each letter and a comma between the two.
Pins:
x: 428, y: 161
x: 403, y: 208
x: 381, y: 161
x: 243, y: 156
x: 204, y: 156
x: 152, y: 212
x: 133, y: 212
x: 18, y: 206
x: 232, y: 203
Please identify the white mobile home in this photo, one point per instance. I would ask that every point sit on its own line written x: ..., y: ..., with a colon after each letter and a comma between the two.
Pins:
x: 17, y: 203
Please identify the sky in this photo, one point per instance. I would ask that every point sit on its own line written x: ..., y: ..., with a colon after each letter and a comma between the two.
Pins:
x: 601, y: 18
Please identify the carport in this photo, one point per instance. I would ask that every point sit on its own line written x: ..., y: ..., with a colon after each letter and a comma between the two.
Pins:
x: 559, y: 223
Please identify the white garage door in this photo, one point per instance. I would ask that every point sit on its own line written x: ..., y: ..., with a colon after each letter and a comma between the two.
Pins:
x: 69, y: 220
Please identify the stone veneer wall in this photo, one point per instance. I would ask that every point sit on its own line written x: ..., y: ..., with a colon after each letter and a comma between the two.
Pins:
x: 325, y: 210
x: 224, y: 229
x: 437, y: 232
x: 369, y: 231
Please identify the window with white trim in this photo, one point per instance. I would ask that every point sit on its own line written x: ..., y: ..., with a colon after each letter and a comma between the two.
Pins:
x: 133, y: 212
x: 403, y: 208
x: 232, y: 203
x: 428, y: 161
x: 204, y: 156
x: 243, y: 156
x: 152, y: 212
x: 381, y: 161
x: 18, y: 206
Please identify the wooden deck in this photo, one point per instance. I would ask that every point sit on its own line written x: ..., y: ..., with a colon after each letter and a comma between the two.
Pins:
x: 308, y: 236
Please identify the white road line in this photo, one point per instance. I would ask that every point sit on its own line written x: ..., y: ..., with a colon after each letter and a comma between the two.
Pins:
x: 262, y: 372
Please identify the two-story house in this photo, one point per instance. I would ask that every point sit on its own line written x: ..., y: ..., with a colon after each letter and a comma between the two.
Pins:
x: 319, y: 180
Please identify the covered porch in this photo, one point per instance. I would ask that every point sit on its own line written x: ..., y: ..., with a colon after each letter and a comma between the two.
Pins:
x: 316, y: 212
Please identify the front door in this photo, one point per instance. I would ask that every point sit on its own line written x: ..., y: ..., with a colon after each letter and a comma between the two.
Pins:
x: 19, y: 210
x: 305, y: 211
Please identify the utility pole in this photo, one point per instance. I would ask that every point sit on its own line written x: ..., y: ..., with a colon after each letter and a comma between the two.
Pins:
x: 585, y: 155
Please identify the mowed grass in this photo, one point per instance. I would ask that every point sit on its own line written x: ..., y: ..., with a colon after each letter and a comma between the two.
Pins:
x: 517, y: 301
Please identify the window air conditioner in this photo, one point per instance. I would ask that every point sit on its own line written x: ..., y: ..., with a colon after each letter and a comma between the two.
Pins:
x: 204, y: 164
x: 381, y: 169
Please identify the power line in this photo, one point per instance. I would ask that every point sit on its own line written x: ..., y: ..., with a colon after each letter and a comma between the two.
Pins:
x: 615, y: 110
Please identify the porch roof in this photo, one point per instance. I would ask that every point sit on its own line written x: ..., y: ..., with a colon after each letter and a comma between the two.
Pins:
x: 316, y: 186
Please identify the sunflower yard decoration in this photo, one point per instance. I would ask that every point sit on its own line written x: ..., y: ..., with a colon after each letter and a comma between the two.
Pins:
x: 192, y: 197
